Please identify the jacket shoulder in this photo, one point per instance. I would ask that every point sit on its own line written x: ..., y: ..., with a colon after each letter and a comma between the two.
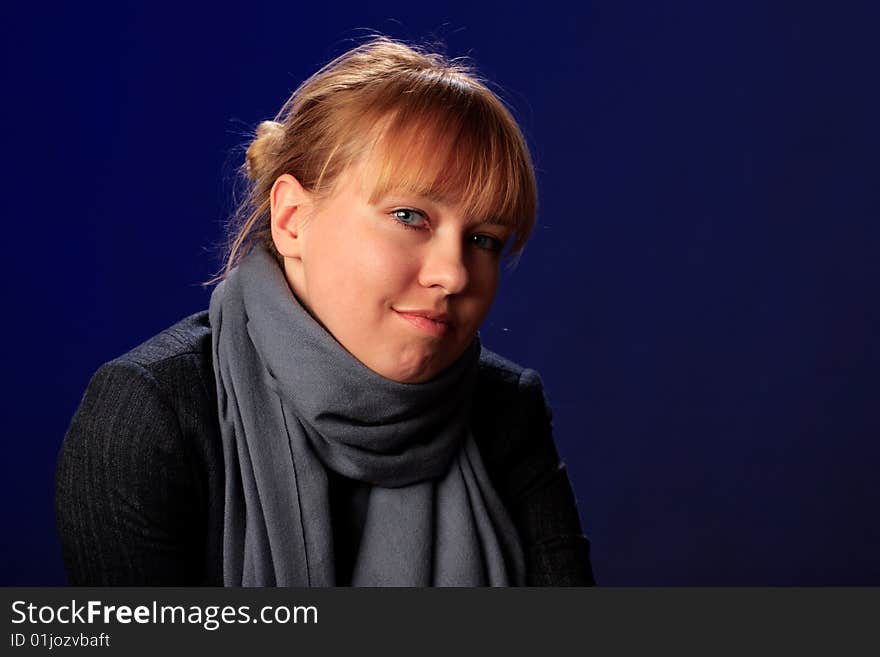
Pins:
x: 508, y: 403
x: 189, y: 336
x: 501, y: 381
x: 179, y: 364
x: 497, y: 375
x: 146, y: 432
x: 179, y: 361
x: 492, y: 363
x: 513, y: 428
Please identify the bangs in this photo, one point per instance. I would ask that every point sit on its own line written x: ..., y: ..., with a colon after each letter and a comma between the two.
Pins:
x: 457, y: 150
x: 421, y: 123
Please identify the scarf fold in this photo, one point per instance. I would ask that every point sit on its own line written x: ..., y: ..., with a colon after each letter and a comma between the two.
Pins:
x: 294, y: 403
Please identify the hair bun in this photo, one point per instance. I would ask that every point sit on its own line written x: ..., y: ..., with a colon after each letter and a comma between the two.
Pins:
x: 263, y: 148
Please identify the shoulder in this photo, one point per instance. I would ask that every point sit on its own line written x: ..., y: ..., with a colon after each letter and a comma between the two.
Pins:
x: 137, y: 463
x: 167, y: 380
x: 156, y: 402
x: 508, y: 396
x: 175, y: 364
x: 187, y: 339
x: 512, y: 421
x: 513, y: 427
x: 164, y: 392
x: 504, y: 380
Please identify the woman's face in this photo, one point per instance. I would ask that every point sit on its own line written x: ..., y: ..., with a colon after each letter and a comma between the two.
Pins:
x: 402, y: 284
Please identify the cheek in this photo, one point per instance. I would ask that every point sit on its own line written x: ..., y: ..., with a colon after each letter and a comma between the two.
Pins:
x: 484, y: 280
x: 388, y: 269
x: 331, y: 270
x: 385, y: 262
x: 486, y: 286
x: 357, y: 272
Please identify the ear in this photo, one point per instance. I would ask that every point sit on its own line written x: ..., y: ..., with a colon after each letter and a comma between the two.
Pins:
x: 290, y: 203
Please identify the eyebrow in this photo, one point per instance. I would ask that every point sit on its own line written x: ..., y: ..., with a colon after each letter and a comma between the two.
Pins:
x: 495, y: 221
x: 433, y: 197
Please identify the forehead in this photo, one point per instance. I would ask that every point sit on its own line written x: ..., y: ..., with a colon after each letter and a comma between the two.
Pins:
x: 451, y: 162
x: 379, y: 175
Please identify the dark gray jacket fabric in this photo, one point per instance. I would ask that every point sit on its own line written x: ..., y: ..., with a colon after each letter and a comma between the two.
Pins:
x: 140, y: 479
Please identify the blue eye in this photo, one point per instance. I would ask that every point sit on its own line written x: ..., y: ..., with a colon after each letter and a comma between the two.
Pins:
x: 487, y: 242
x: 409, y: 218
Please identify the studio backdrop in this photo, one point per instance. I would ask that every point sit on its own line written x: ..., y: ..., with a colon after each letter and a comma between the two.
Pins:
x: 701, y: 295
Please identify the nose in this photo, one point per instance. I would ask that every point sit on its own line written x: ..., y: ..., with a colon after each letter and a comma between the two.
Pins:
x: 444, y: 266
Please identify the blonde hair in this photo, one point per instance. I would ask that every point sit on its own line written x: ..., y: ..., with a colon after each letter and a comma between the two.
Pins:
x: 441, y: 132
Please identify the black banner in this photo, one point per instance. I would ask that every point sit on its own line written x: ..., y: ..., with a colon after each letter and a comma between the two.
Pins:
x: 157, y: 621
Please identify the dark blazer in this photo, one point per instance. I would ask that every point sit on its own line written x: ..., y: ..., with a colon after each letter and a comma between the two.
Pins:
x: 140, y: 480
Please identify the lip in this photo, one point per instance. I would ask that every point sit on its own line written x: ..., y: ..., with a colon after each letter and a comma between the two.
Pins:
x: 435, y: 324
x: 430, y: 314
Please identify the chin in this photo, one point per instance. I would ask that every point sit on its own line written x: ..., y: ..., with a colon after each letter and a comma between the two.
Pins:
x: 413, y: 372
x: 409, y: 376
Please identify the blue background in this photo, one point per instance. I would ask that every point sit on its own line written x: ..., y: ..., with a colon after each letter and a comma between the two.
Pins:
x: 701, y: 296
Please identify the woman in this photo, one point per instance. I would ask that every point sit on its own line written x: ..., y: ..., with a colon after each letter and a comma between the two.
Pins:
x: 333, y: 419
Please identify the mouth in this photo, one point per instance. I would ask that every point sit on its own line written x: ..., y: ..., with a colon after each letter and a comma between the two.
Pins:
x: 437, y: 327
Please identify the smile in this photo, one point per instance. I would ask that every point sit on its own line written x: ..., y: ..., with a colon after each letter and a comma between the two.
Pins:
x: 425, y: 325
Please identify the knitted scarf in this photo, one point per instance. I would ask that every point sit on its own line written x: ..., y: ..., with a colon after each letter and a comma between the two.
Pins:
x: 294, y: 403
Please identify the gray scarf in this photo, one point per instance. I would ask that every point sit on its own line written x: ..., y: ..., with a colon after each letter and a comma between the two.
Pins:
x: 293, y: 403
